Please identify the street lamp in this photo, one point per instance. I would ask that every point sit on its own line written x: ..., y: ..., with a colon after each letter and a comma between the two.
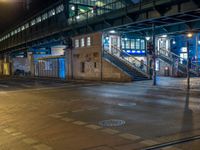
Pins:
x: 189, y: 35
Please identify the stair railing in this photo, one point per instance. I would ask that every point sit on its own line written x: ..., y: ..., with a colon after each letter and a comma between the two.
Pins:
x: 129, y: 59
x: 181, y: 61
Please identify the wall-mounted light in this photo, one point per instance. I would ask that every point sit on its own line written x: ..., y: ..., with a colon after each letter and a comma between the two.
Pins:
x: 73, y: 8
x: 112, y: 31
x: 164, y: 36
x: 147, y: 38
x: 189, y: 35
x: 174, y: 42
x: 199, y: 42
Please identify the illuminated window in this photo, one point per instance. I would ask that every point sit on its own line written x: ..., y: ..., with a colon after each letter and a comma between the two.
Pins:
x: 39, y: 19
x: 82, y: 42
x: 142, y: 44
x: 22, y: 28
x: 26, y: 25
x: 51, y: 12
x: 33, y: 22
x: 137, y: 44
x: 127, y: 44
x: 59, y: 9
x: 123, y: 43
x: 44, y: 16
x: 18, y: 30
x: 88, y: 41
x: 132, y: 43
x: 76, y: 43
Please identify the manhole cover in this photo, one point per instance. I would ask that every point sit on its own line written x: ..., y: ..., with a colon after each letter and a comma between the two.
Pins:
x: 127, y: 104
x: 112, y: 123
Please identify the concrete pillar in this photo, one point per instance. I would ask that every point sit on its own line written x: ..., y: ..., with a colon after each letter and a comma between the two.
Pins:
x: 31, y: 63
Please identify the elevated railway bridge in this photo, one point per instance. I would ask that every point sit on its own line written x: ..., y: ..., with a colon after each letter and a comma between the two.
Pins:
x: 77, y: 24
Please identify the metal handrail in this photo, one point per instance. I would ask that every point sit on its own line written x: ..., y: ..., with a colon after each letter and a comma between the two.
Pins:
x: 134, y: 63
x: 172, y: 55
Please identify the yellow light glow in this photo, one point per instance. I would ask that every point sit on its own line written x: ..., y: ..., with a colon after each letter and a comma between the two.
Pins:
x: 189, y: 35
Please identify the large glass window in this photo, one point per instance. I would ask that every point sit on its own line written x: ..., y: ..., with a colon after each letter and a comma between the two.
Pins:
x: 127, y: 44
x: 142, y: 44
x: 132, y: 43
x: 137, y: 44
x: 123, y: 44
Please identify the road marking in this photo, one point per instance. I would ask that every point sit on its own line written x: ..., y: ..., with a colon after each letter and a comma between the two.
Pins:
x: 67, y: 119
x: 79, y: 123
x: 129, y: 136
x: 110, y: 131
x: 29, y: 141
x: 42, y: 147
x: 92, y: 126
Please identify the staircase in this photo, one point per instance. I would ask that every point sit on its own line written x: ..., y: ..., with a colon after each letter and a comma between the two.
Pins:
x: 171, y: 59
x: 131, y: 67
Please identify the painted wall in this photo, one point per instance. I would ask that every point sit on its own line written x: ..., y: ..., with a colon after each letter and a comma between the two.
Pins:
x: 89, y: 57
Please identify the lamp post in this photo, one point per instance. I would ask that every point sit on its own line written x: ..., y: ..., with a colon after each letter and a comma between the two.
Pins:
x: 189, y: 35
x: 154, y: 57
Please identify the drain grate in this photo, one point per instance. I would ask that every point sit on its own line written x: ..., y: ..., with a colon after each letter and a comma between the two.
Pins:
x: 112, y: 123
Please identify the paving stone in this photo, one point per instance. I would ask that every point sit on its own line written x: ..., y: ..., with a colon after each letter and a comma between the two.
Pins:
x: 170, y: 148
x: 79, y: 123
x: 100, y: 148
x: 110, y: 131
x: 16, y: 134
x: 92, y: 126
x: 29, y: 141
x: 67, y: 119
x: 21, y: 136
x: 42, y: 147
x: 149, y: 142
x: 55, y: 116
x: 62, y: 113
x: 129, y: 136
x: 79, y: 110
x: 9, y: 130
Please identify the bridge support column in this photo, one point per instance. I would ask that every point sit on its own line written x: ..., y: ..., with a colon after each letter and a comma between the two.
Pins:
x: 154, y: 56
x: 31, y: 63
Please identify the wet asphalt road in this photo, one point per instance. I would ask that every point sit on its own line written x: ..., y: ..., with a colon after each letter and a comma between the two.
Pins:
x: 46, y: 114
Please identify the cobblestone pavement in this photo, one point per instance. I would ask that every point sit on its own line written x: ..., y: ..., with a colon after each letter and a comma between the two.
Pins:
x: 57, y: 115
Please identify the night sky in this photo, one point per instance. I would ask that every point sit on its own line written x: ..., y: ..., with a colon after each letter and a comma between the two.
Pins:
x: 13, y: 13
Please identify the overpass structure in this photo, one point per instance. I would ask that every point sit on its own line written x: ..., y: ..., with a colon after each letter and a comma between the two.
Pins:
x: 58, y: 21
x: 57, y: 24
